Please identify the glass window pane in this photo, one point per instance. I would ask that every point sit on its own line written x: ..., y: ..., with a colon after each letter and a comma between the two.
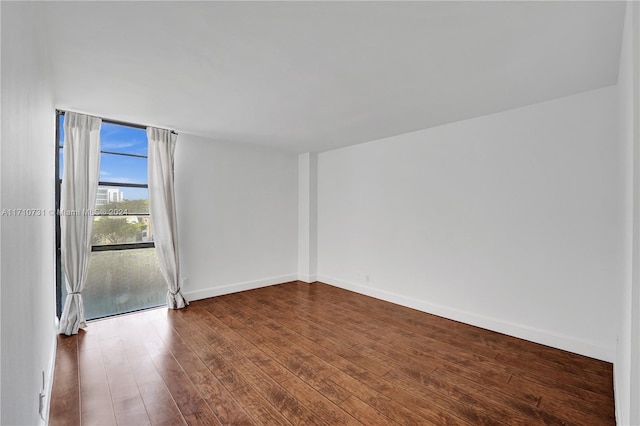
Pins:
x: 116, y: 201
x: 121, y: 230
x: 120, y: 281
x: 61, y: 129
x: 122, y: 169
x: 123, y: 281
x: 123, y: 139
x: 60, y: 159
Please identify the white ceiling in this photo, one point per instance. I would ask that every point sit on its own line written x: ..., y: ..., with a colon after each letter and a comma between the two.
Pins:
x: 312, y: 76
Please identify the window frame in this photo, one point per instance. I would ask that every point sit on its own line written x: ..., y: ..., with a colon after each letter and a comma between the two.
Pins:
x: 97, y: 247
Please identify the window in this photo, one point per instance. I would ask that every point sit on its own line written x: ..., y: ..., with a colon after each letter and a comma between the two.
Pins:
x: 124, y: 275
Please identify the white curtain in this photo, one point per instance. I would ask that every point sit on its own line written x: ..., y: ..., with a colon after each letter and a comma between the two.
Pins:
x: 78, y: 196
x: 162, y: 208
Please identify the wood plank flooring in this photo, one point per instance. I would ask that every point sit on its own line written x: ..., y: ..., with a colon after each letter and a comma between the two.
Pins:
x: 310, y: 354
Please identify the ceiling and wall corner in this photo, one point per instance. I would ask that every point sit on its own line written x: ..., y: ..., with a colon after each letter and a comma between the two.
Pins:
x: 314, y: 76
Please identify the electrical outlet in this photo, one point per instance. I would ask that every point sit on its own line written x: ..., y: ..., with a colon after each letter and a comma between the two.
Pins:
x: 42, y: 399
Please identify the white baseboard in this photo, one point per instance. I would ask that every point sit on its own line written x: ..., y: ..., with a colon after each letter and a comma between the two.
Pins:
x: 532, y: 334
x: 50, y: 373
x: 617, y: 392
x: 236, y: 287
x: 307, y: 278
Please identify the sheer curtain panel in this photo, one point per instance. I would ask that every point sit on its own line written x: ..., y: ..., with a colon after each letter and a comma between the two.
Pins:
x: 162, y: 208
x: 77, y: 199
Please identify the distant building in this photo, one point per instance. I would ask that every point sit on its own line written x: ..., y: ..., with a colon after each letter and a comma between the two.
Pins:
x: 108, y: 196
x: 147, y: 233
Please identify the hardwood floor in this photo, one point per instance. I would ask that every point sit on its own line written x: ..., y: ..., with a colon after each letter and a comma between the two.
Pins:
x: 301, y: 353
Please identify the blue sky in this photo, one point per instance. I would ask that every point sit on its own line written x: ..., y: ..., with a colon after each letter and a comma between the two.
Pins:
x: 116, y: 168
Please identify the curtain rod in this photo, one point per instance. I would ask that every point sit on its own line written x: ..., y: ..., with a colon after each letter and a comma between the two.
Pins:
x: 118, y: 122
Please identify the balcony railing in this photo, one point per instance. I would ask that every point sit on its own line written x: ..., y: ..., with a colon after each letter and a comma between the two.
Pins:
x: 122, y: 281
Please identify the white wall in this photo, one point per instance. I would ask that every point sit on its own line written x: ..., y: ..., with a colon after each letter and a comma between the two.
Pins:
x: 512, y: 221
x: 237, y: 216
x: 307, y: 217
x: 634, y: 407
x: 627, y: 364
x: 625, y: 87
x: 27, y: 253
